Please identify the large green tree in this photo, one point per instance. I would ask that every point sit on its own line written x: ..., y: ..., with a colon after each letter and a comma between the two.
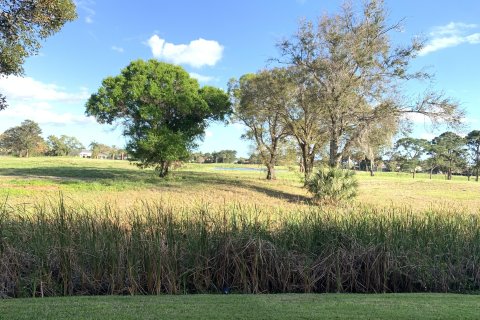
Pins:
x: 22, y: 140
x: 162, y: 109
x: 359, y: 75
x: 259, y: 100
x: 23, y: 25
x: 473, y: 143
x: 450, y: 147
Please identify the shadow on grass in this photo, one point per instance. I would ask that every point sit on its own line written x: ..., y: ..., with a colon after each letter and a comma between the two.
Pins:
x: 205, y: 178
x: 81, y: 173
x: 66, y: 175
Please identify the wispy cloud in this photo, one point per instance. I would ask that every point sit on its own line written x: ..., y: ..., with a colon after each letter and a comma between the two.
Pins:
x: 201, y: 78
x: 197, y: 53
x: 451, y: 35
x: 118, y: 49
x: 86, y: 7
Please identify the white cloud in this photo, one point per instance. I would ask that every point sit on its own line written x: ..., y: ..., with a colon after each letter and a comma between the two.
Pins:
x: 197, y: 53
x: 201, y: 78
x: 118, y: 49
x: 28, y: 98
x: 451, y: 35
x: 19, y: 88
x: 43, y: 113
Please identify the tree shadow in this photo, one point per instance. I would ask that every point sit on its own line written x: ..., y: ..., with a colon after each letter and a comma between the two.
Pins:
x: 80, y: 173
x: 207, y: 178
x: 68, y: 175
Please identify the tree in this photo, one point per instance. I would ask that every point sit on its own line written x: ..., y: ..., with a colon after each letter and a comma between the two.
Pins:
x: 303, y: 120
x: 22, y: 140
x: 359, y: 75
x: 408, y: 152
x: 99, y: 148
x: 224, y: 156
x: 23, y: 24
x: 63, y: 145
x: 162, y: 109
x: 372, y: 142
x: 473, y: 143
x: 434, y: 160
x: 451, y: 148
x: 258, y: 100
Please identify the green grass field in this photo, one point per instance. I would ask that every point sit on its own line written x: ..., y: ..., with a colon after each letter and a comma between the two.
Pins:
x: 71, y: 226
x: 331, y: 306
x: 98, y: 181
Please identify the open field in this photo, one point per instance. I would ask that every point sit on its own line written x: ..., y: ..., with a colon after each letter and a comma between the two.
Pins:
x: 97, y: 181
x: 333, y: 306
x: 71, y: 226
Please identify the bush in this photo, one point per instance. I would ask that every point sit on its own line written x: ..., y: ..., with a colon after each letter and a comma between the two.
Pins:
x: 332, y: 185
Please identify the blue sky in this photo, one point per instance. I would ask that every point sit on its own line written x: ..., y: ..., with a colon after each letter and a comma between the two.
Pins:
x: 214, y: 41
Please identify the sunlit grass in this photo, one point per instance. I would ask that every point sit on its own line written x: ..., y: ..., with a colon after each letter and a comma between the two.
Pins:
x: 94, y: 181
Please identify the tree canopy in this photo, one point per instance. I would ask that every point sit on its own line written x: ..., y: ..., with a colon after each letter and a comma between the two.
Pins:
x: 450, y: 147
x: 63, y: 145
x: 358, y: 76
x: 162, y: 109
x: 23, y: 24
x: 259, y: 101
x: 408, y: 153
x: 22, y: 140
x: 473, y: 143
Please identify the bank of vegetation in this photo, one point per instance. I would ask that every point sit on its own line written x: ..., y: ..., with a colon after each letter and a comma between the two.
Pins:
x: 56, y: 249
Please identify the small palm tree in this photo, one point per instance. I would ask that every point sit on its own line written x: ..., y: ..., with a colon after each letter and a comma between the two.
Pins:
x: 332, y: 185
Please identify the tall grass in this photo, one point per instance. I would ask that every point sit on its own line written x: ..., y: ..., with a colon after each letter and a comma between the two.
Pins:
x: 153, y: 248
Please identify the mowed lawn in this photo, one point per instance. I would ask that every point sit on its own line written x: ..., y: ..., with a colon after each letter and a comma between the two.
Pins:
x: 90, y: 181
x: 282, y: 306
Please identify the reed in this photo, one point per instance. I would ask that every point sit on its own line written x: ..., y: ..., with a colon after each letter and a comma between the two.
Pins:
x: 55, y: 249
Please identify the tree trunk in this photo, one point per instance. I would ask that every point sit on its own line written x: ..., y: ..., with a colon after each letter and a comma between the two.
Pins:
x: 333, y: 161
x: 449, y: 174
x: 477, y: 164
x: 163, y: 169
x: 413, y: 173
x: 431, y: 172
x: 271, y: 163
x: 307, y: 162
x: 271, y: 172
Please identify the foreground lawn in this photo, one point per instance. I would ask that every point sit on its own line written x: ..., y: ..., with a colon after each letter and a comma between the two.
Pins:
x: 291, y: 306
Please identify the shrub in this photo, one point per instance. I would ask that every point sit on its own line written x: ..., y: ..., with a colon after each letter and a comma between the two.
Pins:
x: 332, y: 185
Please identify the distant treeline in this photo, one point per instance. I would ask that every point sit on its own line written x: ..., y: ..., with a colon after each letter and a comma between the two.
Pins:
x: 25, y: 140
